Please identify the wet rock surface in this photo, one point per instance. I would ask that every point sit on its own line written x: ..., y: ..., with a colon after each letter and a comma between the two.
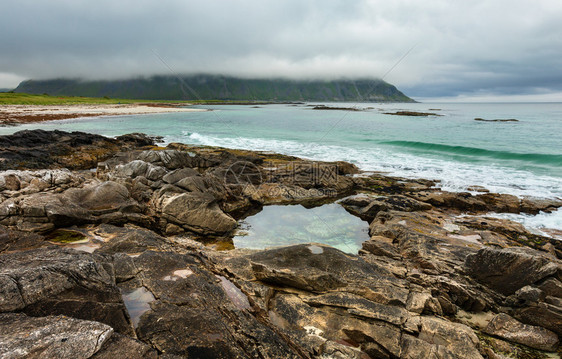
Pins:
x: 130, y: 277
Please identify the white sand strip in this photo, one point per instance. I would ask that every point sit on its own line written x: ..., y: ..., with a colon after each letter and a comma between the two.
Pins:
x: 101, y: 110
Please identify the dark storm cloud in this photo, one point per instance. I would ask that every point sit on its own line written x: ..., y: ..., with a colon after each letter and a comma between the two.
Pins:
x: 500, y: 46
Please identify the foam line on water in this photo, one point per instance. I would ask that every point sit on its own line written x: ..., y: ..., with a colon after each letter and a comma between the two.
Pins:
x: 537, y: 223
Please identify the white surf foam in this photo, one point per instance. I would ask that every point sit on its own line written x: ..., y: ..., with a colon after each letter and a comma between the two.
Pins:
x: 538, y: 224
x: 453, y: 176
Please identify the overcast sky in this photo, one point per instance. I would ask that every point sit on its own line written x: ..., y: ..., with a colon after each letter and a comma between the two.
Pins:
x: 461, y: 49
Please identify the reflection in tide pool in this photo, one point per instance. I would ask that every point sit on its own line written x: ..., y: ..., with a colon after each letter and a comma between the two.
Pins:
x: 285, y: 225
x: 234, y: 293
x: 75, y: 239
x: 137, y: 302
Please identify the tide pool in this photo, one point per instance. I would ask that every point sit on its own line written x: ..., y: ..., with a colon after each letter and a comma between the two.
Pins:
x: 286, y: 225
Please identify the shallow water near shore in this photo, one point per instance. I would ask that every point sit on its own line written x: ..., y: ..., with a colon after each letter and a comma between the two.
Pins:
x: 522, y: 157
x: 276, y: 226
x: 544, y: 224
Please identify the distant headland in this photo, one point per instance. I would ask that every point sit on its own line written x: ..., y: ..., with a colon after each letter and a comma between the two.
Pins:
x: 225, y: 88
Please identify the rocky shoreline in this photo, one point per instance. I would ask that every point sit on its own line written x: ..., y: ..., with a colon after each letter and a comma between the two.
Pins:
x: 102, y: 256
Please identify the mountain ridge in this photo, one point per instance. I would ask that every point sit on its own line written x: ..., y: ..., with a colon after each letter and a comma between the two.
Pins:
x: 217, y: 87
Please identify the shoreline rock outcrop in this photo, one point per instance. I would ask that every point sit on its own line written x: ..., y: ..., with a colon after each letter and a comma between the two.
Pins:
x: 111, y: 254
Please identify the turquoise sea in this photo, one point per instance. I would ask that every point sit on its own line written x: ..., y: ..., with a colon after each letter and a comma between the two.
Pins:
x: 522, y: 157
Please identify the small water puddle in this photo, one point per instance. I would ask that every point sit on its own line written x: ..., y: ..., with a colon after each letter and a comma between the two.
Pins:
x: 471, y: 238
x: 234, y: 293
x: 276, y: 226
x: 72, y: 239
x: 180, y: 273
x: 315, y: 249
x: 137, y: 303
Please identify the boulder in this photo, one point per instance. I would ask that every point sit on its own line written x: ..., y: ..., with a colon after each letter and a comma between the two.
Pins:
x: 97, y: 202
x: 198, y: 212
x: 505, y: 327
x: 417, y: 301
x: 308, y: 174
x: 138, y: 139
x: 54, y: 280
x: 381, y: 246
x: 138, y: 168
x: 366, y: 206
x: 454, y: 339
x: 359, y: 306
x: 510, y: 229
x: 179, y: 174
x: 507, y: 270
x: 50, y: 337
x: 346, y: 168
x: 14, y: 183
x: 42, y: 208
x: 526, y: 296
x: 551, y: 287
x: 275, y: 193
x: 204, y: 184
x: 536, y: 205
x: 11, y: 182
x: 102, y: 197
x: 501, y: 203
x: 169, y: 159
x: 414, y: 348
x: 541, y: 314
x: 378, y: 340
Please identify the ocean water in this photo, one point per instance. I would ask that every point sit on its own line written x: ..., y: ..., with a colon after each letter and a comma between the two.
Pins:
x: 521, y: 157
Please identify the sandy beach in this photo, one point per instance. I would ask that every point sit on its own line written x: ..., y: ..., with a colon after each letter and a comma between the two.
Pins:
x: 18, y: 114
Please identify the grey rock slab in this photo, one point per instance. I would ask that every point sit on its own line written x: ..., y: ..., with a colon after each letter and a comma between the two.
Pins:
x: 195, y: 315
x: 50, y: 337
x: 296, y: 266
x: 55, y: 280
x: 198, y: 212
x: 120, y: 346
x: 106, y: 196
x: 507, y: 270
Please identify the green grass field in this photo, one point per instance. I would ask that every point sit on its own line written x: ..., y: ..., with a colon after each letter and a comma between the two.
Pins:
x: 10, y: 98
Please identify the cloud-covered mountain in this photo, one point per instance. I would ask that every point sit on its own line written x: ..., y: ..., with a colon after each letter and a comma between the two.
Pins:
x: 214, y: 87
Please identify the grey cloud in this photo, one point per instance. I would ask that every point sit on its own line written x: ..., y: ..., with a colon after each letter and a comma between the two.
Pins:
x: 461, y: 48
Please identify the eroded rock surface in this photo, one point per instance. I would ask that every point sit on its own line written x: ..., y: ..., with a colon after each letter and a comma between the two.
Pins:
x: 438, y: 278
x: 510, y: 329
x: 59, y: 336
x: 56, y: 280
